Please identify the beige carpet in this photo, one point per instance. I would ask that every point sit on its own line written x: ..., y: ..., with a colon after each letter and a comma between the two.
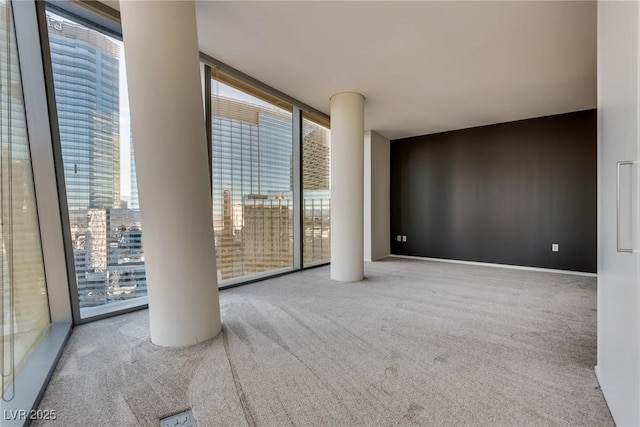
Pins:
x: 416, y: 343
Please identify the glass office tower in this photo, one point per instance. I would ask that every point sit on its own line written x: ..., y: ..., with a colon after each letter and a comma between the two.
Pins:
x: 252, y: 184
x: 105, y: 226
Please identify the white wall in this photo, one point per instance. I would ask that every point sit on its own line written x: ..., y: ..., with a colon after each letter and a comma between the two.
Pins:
x: 618, y: 367
x: 376, y: 196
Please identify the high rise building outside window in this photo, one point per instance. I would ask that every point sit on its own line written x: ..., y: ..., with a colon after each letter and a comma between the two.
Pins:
x: 251, y: 149
x: 316, y: 185
x: 253, y: 176
x: 99, y: 173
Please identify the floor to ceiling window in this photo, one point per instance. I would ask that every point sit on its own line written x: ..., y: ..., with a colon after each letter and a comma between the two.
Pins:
x: 251, y: 152
x: 99, y: 170
x: 316, y: 185
x: 24, y: 308
x: 270, y: 188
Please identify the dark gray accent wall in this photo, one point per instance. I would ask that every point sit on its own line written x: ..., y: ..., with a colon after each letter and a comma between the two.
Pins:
x: 500, y: 194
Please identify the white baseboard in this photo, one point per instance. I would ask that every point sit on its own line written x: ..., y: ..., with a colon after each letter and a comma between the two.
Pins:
x: 377, y: 258
x: 486, y: 264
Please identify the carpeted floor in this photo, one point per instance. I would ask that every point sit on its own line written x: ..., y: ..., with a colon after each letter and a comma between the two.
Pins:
x: 416, y: 343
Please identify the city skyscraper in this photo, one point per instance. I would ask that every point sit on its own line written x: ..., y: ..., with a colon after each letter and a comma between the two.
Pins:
x: 86, y: 79
x: 252, y: 191
x: 252, y: 164
x: 106, y: 231
x: 252, y: 155
x: 316, y: 177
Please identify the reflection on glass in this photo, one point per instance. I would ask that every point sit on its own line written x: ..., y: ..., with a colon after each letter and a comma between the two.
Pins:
x: 316, y: 184
x: 252, y: 183
x: 99, y: 169
x: 24, y: 309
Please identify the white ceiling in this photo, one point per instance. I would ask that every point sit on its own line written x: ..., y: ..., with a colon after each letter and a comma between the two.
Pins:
x: 423, y: 66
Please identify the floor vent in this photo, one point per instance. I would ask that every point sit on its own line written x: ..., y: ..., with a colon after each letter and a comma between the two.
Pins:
x: 183, y: 419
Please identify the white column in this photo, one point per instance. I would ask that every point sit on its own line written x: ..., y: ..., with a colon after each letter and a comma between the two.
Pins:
x: 347, y: 186
x: 167, y: 120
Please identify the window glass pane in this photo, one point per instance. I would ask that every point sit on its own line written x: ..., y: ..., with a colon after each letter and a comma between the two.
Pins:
x: 99, y: 169
x: 24, y: 308
x: 316, y: 184
x: 252, y: 183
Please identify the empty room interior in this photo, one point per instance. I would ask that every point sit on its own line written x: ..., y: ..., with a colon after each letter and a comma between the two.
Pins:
x: 319, y: 213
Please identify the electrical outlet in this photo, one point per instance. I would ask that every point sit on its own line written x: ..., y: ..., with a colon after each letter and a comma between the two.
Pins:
x: 554, y: 247
x: 399, y: 238
x: 404, y: 238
